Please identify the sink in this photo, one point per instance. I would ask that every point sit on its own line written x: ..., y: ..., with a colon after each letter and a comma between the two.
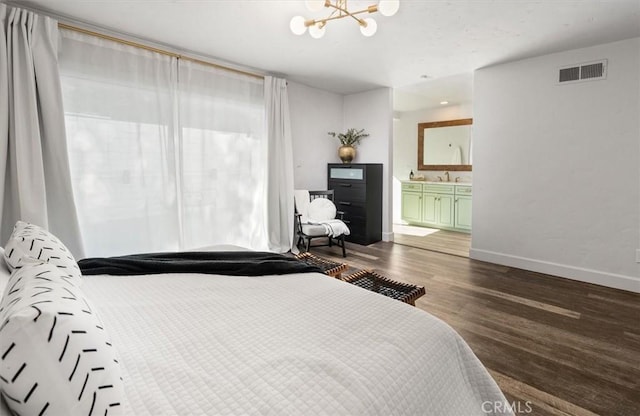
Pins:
x: 439, y: 183
x: 447, y: 183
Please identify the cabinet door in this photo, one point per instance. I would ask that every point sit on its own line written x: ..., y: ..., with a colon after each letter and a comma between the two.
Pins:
x: 412, y: 206
x: 463, y: 212
x: 445, y: 210
x: 429, y: 211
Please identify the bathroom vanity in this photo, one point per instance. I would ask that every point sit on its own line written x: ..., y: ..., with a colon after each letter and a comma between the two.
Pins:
x: 442, y: 146
x: 445, y: 205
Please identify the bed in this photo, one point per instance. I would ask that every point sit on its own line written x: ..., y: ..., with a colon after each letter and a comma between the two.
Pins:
x: 300, y: 343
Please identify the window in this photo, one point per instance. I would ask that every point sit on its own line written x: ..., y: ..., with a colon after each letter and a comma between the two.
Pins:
x: 165, y: 154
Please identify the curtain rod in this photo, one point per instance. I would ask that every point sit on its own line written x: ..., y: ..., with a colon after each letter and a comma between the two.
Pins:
x: 152, y: 49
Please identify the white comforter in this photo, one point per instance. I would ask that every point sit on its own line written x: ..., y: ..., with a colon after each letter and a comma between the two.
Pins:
x: 303, y: 344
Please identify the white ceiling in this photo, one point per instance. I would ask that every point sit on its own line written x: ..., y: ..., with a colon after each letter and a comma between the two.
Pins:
x: 441, y: 39
x: 454, y: 89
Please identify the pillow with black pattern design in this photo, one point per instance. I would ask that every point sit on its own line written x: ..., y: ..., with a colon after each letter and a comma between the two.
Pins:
x: 56, y: 357
x: 29, y: 241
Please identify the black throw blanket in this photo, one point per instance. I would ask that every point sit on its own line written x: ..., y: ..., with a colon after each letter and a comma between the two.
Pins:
x: 234, y: 263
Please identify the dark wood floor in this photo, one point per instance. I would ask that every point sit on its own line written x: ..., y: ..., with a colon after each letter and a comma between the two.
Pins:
x: 566, y: 347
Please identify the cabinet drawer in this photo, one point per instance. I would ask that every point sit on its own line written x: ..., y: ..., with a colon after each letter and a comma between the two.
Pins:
x: 440, y: 189
x: 347, y: 192
x: 357, y: 225
x: 360, y: 239
x: 348, y: 173
x: 417, y: 187
x: 351, y: 210
x: 463, y: 190
x: 357, y: 229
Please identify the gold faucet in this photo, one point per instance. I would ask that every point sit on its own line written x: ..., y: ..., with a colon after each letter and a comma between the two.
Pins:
x: 447, y: 175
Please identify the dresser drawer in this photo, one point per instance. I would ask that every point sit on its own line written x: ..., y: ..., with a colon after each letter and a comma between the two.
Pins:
x: 348, y: 173
x: 356, y: 224
x: 357, y: 229
x: 352, y: 209
x: 348, y: 192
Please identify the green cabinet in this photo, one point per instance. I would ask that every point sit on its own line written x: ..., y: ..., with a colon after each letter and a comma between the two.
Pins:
x: 437, y: 208
x: 412, y: 202
x: 463, y: 208
x: 412, y: 206
x: 437, y: 205
x: 429, y: 202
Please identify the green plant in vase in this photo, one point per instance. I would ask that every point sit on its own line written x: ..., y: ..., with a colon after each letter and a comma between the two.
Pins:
x: 349, y: 141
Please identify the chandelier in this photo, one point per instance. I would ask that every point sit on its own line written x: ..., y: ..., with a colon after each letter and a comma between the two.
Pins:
x: 339, y: 9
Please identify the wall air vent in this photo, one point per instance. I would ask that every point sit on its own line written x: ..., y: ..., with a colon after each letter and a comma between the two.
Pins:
x: 588, y: 71
x: 569, y: 74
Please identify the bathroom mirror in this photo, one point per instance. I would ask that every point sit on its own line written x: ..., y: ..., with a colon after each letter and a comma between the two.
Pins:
x: 445, y: 145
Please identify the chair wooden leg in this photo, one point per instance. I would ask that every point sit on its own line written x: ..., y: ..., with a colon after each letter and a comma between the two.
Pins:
x: 344, y: 252
x: 308, y: 244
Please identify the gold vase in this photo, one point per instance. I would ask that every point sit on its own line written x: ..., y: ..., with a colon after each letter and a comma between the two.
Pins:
x: 347, y: 153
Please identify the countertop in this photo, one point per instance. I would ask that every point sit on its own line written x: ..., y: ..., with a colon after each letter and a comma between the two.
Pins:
x: 439, y: 182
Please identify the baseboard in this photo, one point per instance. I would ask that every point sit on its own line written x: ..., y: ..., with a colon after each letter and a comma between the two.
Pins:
x: 616, y: 281
x: 387, y: 236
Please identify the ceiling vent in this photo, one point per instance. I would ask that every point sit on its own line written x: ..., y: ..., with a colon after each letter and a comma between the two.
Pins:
x: 588, y: 71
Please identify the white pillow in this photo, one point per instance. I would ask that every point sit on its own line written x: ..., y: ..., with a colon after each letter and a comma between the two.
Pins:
x: 321, y: 209
x: 57, y: 357
x: 301, y: 199
x: 28, y: 241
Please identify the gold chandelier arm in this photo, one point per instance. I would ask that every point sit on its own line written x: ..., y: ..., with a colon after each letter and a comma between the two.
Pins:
x: 340, y: 11
x: 371, y: 9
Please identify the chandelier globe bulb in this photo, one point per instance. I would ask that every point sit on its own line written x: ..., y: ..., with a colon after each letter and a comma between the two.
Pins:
x: 314, y: 5
x: 370, y: 29
x: 297, y: 25
x: 317, y: 31
x: 388, y: 7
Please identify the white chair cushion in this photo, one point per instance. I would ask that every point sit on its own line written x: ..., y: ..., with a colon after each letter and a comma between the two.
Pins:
x: 321, y: 209
x: 301, y: 198
x: 314, y: 230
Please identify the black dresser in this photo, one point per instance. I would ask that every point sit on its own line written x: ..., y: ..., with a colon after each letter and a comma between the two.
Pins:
x: 358, y: 193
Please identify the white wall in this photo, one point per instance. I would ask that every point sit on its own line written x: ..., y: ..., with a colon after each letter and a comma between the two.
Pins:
x: 557, y: 167
x: 314, y: 113
x: 405, y: 146
x: 373, y: 111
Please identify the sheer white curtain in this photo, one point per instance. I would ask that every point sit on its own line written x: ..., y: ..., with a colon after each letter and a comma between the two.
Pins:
x: 34, y: 181
x: 119, y: 103
x: 280, y: 210
x: 222, y: 156
x: 166, y: 154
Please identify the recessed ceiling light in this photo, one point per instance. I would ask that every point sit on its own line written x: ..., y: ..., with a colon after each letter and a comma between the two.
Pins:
x: 444, y: 102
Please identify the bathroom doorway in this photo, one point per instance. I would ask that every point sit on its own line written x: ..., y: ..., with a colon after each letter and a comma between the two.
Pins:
x: 443, y: 241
